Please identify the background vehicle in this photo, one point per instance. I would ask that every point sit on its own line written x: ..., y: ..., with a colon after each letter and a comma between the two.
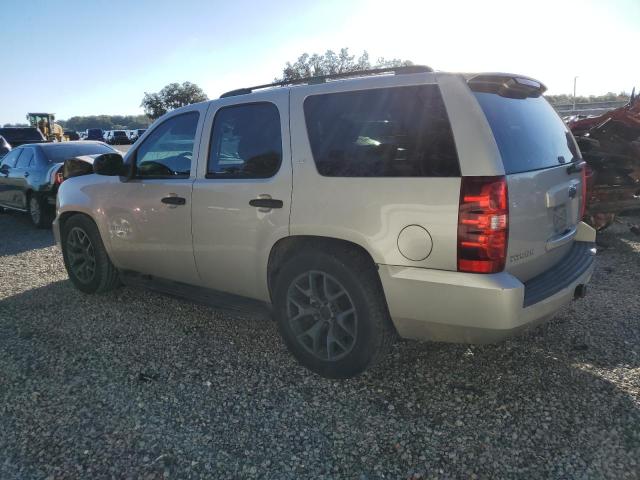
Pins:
x: 430, y: 205
x: 45, y: 122
x: 117, y: 137
x: 4, y: 147
x: 29, y: 176
x: 94, y: 134
x: 71, y: 135
x: 135, y: 134
x: 17, y: 136
x: 610, y: 143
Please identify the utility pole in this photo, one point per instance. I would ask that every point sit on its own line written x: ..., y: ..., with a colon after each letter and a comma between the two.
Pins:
x: 574, y: 92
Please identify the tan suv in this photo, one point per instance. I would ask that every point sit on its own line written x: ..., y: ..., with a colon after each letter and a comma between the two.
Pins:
x: 431, y: 205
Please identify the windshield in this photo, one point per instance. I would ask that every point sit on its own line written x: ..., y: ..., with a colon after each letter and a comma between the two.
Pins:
x: 60, y: 152
x: 529, y: 133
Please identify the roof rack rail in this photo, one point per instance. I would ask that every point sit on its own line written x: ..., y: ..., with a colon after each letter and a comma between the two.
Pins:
x: 323, y: 78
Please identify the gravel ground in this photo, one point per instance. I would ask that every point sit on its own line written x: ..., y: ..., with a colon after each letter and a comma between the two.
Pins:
x: 138, y: 385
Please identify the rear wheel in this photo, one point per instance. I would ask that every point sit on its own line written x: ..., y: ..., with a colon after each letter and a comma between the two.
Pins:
x: 85, y: 258
x: 40, y: 211
x: 331, y: 313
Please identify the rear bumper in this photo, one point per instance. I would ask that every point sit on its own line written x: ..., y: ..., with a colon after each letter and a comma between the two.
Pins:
x: 470, y: 308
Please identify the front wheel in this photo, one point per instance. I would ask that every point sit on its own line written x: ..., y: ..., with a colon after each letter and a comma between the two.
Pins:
x: 332, y: 314
x: 85, y: 258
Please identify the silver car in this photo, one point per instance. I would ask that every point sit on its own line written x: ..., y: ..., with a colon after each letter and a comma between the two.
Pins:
x: 429, y: 205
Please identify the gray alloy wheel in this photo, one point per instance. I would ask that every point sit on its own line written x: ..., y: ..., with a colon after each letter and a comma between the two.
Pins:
x: 81, y: 254
x: 35, y: 210
x: 322, y: 315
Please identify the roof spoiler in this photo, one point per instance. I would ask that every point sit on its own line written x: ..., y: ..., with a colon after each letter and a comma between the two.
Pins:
x: 506, y: 85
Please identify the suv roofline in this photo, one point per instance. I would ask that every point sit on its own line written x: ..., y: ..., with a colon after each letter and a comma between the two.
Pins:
x: 409, y: 69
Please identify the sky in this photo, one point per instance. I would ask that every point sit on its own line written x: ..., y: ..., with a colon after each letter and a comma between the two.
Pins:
x: 92, y: 57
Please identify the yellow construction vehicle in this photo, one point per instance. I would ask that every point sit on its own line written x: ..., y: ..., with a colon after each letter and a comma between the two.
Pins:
x: 45, y: 122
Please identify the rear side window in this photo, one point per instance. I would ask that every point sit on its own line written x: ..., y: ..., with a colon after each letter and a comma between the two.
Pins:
x: 529, y: 133
x: 246, y: 142
x: 387, y: 132
x: 25, y: 159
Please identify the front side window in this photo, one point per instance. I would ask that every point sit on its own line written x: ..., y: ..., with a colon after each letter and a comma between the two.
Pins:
x: 11, y: 158
x: 25, y: 159
x: 386, y: 132
x: 167, y: 151
x: 246, y: 142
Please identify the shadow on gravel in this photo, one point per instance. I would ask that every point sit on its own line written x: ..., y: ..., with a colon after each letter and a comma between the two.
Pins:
x: 103, y: 385
x: 17, y: 234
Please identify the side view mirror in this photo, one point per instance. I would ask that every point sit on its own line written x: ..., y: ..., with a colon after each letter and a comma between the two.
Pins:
x: 110, y: 164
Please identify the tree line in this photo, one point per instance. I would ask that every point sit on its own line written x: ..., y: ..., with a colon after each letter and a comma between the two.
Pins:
x: 607, y: 97
x: 105, y: 122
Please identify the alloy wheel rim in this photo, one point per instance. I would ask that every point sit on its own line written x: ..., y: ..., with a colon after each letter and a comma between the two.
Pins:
x: 322, y: 315
x: 34, y: 210
x: 81, y: 255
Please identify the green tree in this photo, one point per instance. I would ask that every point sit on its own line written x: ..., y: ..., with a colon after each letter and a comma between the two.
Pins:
x: 170, y: 97
x: 331, y: 63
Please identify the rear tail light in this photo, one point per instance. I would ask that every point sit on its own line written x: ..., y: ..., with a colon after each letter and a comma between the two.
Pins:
x: 483, y: 224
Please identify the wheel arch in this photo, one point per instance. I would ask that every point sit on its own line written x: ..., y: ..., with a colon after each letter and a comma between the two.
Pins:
x: 65, y: 215
x: 287, y: 246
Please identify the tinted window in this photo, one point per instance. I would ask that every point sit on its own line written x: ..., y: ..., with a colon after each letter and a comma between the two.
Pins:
x: 167, y: 151
x: 529, y: 133
x: 59, y: 152
x: 246, y: 142
x: 389, y: 132
x: 11, y: 158
x: 25, y: 159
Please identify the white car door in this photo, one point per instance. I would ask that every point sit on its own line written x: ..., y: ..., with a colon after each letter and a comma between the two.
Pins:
x: 242, y: 193
x: 149, y: 215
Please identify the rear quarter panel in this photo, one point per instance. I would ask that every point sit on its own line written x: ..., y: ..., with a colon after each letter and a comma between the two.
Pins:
x: 370, y: 212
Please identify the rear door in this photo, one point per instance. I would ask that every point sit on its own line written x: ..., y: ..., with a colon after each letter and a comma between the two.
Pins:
x: 242, y: 196
x: 542, y: 166
x: 22, y: 177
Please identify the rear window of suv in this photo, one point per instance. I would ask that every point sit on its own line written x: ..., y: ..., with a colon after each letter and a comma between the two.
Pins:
x: 386, y: 132
x: 529, y: 133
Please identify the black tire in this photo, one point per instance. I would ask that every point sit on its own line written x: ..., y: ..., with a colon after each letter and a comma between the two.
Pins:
x: 356, y: 275
x: 40, y: 212
x: 103, y: 277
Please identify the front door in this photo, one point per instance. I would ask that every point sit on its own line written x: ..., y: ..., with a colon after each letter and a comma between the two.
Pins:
x: 10, y: 178
x: 242, y: 194
x: 149, y: 215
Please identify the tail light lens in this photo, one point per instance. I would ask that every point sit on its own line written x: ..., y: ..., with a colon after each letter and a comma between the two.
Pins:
x: 483, y: 224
